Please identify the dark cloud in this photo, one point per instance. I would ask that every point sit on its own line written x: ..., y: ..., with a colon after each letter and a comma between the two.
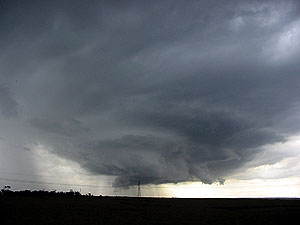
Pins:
x: 8, y: 105
x: 65, y: 127
x: 154, y: 160
x: 26, y: 149
x: 153, y: 91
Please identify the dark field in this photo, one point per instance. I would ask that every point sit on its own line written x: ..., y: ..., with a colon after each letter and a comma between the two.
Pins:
x: 123, y: 210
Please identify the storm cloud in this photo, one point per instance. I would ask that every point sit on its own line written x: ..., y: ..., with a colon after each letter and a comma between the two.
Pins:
x: 152, y: 91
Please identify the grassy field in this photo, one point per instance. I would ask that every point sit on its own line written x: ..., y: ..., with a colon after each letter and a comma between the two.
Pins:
x: 123, y: 210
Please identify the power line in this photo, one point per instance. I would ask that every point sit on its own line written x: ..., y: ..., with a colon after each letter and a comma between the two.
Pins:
x: 34, y: 175
x: 41, y: 175
x: 139, y: 194
x: 68, y: 184
x: 107, y: 186
x: 83, y: 185
x: 54, y: 183
x: 90, y: 185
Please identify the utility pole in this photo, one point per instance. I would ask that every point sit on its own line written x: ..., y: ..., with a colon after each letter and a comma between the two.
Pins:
x: 139, y: 190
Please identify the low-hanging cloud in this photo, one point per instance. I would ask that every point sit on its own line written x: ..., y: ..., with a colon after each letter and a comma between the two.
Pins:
x: 158, y: 92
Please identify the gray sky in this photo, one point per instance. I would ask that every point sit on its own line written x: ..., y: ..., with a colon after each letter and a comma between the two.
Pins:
x: 152, y: 91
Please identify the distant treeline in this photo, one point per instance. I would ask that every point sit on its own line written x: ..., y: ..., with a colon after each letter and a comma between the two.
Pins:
x: 7, y: 192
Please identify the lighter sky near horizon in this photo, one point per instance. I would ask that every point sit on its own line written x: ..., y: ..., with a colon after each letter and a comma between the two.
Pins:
x: 191, y: 98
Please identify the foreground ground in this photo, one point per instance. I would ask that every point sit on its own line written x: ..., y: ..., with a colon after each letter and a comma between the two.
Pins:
x: 122, y: 210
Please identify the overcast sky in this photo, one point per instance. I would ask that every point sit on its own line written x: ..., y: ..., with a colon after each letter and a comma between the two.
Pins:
x: 154, y: 91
